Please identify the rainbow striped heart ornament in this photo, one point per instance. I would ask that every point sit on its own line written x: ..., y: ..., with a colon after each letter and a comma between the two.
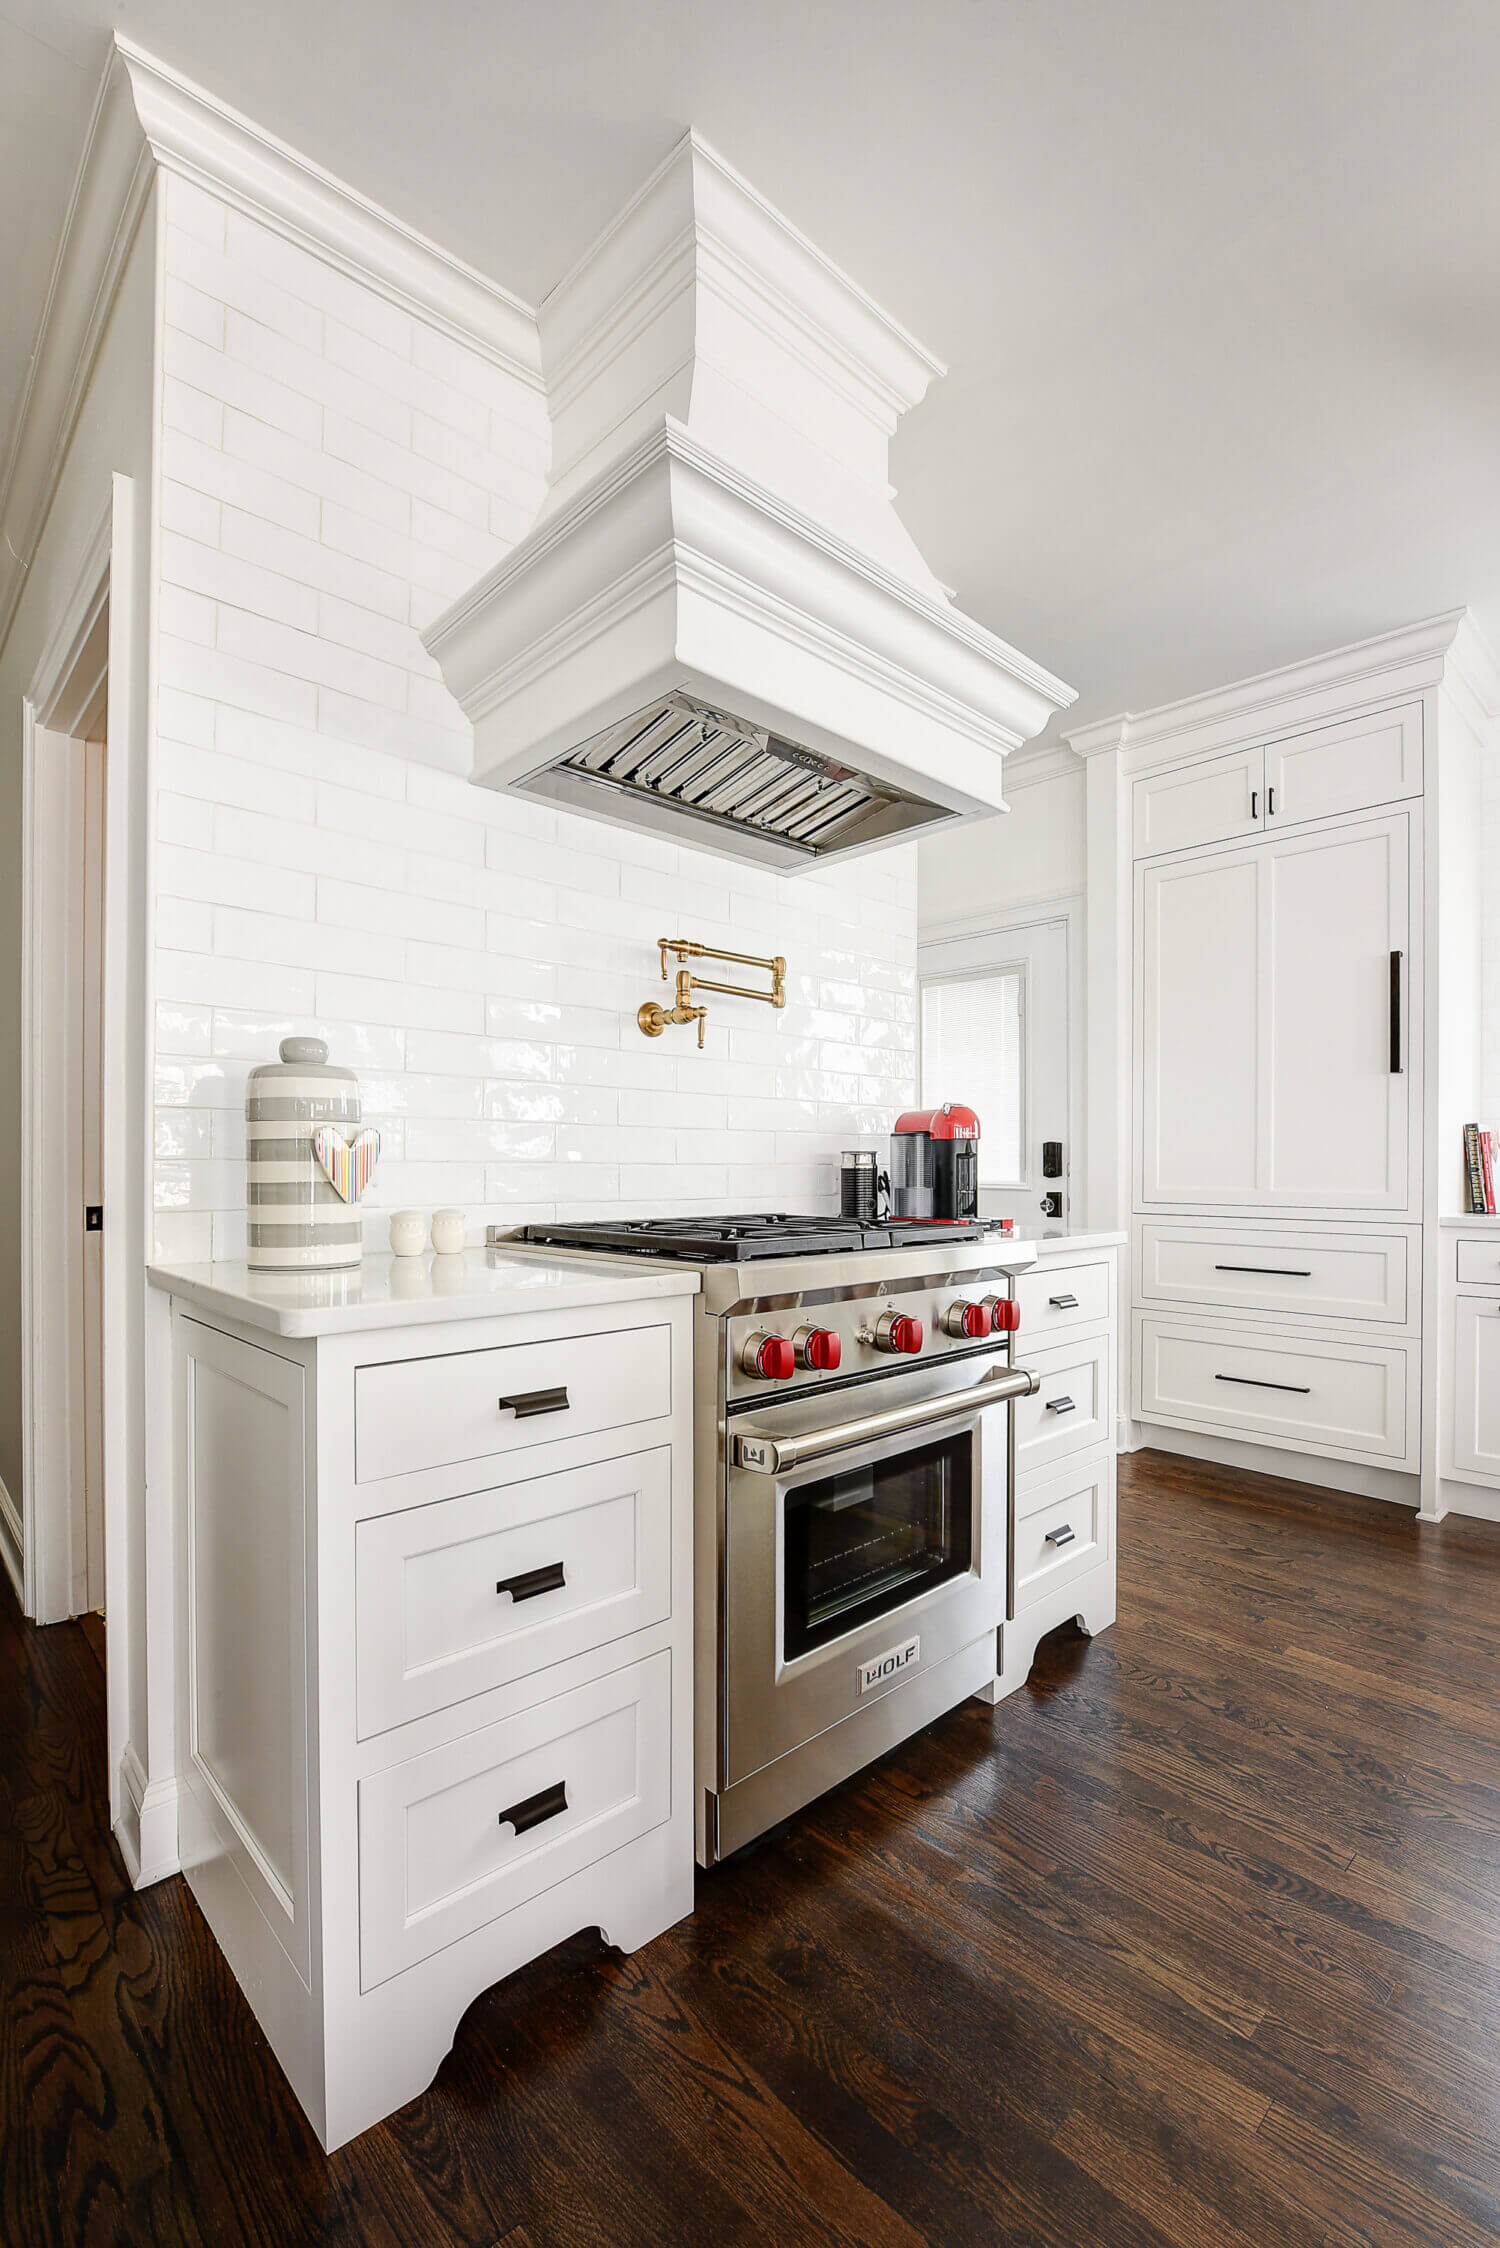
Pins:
x: 350, y: 1164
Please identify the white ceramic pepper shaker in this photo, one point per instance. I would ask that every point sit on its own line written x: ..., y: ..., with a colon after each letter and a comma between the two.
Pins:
x: 408, y: 1233
x: 449, y: 1233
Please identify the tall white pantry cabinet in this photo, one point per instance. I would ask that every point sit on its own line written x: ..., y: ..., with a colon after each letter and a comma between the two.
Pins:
x: 1297, y: 897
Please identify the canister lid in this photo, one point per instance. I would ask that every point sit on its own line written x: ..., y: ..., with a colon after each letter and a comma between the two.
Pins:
x: 313, y: 1050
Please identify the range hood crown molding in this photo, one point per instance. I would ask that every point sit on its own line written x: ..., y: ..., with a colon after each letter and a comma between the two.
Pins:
x: 718, y: 559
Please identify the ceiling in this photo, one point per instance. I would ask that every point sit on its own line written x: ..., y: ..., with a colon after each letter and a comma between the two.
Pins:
x: 1219, y: 288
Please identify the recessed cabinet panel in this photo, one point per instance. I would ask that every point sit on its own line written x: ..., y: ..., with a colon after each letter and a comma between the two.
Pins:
x: 1286, y: 1272
x: 1338, y: 918
x: 1192, y: 804
x: 456, y: 1598
x: 1476, y: 1388
x: 1345, y: 768
x: 1202, y: 960
x: 479, y: 1405
x: 1478, y: 1262
x: 1349, y: 1399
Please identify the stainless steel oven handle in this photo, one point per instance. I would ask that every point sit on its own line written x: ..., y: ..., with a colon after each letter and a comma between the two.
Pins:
x: 778, y: 1455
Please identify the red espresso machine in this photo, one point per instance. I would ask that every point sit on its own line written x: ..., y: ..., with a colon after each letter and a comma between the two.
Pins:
x: 935, y: 1163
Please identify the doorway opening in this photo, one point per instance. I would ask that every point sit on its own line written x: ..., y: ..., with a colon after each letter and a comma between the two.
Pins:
x: 998, y: 1023
x: 64, y: 1159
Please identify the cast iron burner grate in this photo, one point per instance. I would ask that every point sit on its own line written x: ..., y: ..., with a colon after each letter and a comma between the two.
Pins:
x: 735, y: 1240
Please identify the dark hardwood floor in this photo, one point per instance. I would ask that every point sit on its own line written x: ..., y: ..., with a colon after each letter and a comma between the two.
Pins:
x: 1195, y: 1940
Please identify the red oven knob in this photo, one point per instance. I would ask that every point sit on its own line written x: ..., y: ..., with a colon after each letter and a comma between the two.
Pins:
x: 1005, y: 1314
x: 895, y: 1330
x: 969, y: 1322
x: 818, y: 1349
x: 770, y: 1358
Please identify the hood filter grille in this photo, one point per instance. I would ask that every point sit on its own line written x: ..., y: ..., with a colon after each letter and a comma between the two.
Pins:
x: 718, y: 768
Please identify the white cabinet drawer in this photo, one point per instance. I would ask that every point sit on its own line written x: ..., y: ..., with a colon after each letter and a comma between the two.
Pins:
x: 1054, y: 1297
x: 1346, y: 1398
x: 1204, y: 803
x: 1310, y: 1275
x: 1479, y: 1262
x: 1072, y: 1409
x: 438, y: 1856
x: 415, y: 1413
x: 1065, y: 1531
x: 1476, y: 1387
x: 584, y: 1557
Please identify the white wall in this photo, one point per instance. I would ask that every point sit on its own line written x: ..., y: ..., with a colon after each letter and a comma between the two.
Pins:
x: 1033, y: 851
x: 334, y: 472
x: 113, y: 435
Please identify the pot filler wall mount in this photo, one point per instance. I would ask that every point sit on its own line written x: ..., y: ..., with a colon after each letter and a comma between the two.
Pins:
x: 718, y: 628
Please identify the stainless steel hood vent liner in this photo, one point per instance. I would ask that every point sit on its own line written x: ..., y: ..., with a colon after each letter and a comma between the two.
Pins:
x: 736, y: 776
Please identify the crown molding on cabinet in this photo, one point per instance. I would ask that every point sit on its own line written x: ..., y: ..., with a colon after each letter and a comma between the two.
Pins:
x: 148, y: 118
x: 1447, y: 651
x: 1038, y: 762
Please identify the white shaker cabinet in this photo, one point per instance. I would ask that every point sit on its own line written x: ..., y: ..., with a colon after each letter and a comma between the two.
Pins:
x: 1190, y: 805
x: 1476, y: 1388
x: 1344, y: 768
x: 435, y: 1601
x: 1275, y: 986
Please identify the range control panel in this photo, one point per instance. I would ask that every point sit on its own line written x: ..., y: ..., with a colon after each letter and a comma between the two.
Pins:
x: 777, y: 1351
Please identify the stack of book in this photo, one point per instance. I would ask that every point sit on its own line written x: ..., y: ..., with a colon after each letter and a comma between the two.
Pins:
x: 1479, y: 1167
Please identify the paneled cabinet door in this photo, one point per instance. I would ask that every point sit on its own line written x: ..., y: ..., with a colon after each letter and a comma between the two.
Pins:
x: 1200, y: 962
x: 1214, y: 801
x: 1275, y: 984
x: 1476, y: 1387
x: 1339, y: 1061
x: 1345, y: 768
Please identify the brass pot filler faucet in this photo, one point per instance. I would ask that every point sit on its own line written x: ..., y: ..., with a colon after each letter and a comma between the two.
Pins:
x: 654, y: 1018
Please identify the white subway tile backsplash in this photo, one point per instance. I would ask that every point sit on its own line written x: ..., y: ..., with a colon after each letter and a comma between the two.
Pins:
x: 335, y: 473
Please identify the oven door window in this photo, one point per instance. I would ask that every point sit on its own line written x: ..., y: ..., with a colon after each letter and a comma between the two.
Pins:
x: 869, y: 1539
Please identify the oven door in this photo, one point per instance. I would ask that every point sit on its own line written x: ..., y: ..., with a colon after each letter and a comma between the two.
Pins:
x: 848, y: 1571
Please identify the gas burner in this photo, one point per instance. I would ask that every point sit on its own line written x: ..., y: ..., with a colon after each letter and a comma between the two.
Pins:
x: 736, y: 1240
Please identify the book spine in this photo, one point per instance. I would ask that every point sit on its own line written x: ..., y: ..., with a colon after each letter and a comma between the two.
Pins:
x: 1473, y: 1170
x: 1487, y: 1157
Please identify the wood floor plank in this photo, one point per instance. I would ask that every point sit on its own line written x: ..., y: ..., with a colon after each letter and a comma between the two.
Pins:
x: 1196, y: 1940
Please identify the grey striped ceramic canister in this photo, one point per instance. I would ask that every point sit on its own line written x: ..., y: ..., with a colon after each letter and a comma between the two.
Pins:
x: 297, y: 1219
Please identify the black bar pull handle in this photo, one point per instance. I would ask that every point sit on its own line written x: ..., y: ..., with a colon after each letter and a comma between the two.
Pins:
x: 533, y: 1401
x: 1059, y: 1405
x: 1398, y: 1058
x: 1063, y: 1535
x: 1247, y: 1381
x: 1271, y: 1272
x: 531, y: 1582
x: 534, y: 1809
x: 1063, y: 1303
x: 1270, y: 803
x: 1255, y: 803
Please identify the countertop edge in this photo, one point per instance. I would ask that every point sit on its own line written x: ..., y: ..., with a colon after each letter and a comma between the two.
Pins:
x: 577, y: 1290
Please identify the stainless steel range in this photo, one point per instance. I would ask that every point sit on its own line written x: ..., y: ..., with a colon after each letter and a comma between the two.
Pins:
x: 852, y: 1470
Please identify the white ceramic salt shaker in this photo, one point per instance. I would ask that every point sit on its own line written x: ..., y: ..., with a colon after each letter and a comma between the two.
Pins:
x: 408, y: 1233
x: 449, y: 1233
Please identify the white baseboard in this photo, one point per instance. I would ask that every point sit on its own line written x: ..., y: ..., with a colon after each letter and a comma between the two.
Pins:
x: 1372, y: 1482
x: 146, y: 1829
x: 12, y: 1545
x: 1479, y: 1501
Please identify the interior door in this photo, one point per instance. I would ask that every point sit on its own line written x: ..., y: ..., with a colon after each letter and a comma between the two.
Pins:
x: 1203, y: 1024
x: 995, y: 1034
x: 1338, y: 1091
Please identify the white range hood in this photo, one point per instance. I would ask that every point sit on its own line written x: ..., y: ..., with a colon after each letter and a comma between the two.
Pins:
x: 718, y: 627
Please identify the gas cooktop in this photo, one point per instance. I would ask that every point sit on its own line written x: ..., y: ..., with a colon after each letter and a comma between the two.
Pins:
x: 732, y: 1240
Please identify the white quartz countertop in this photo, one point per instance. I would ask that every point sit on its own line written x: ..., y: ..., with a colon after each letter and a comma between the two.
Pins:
x: 1477, y: 1221
x: 1059, y: 1242
x: 415, y: 1291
